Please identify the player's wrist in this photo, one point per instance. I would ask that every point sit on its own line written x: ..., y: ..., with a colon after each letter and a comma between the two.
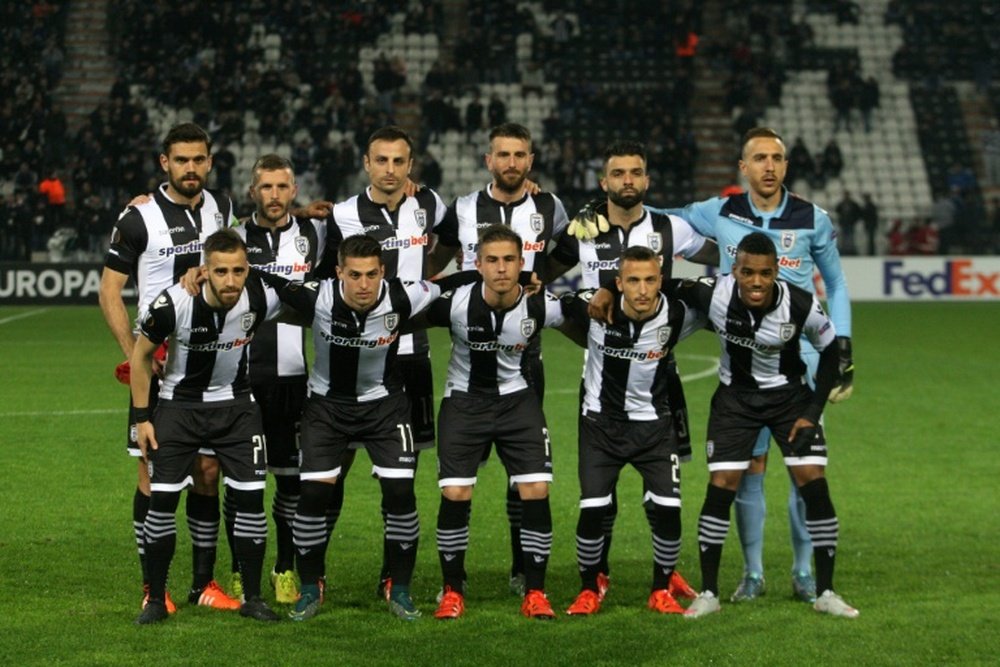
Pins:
x: 141, y: 415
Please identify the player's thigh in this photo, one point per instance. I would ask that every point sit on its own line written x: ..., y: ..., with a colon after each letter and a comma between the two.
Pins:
x: 322, y: 440
x: 418, y: 382
x: 281, y: 413
x: 598, y: 466
x: 178, y: 437
x: 388, y: 438
x: 733, y: 428
x: 465, y: 434
x: 240, y: 445
x: 658, y: 461
x: 522, y: 437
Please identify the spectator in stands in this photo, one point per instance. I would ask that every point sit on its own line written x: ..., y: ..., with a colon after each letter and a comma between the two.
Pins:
x: 848, y: 215
x: 532, y: 80
x: 53, y: 194
x: 832, y: 159
x: 496, y: 112
x: 924, y: 238
x: 897, y: 241
x: 430, y: 171
x: 842, y: 99
x: 868, y: 100
x: 961, y: 179
x: 25, y: 180
x: 869, y: 216
x: 800, y: 163
x: 562, y: 30
x: 223, y: 163
x: 474, y: 111
x: 990, y: 139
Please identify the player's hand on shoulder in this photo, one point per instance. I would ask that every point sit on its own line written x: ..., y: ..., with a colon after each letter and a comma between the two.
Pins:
x: 139, y: 200
x: 191, y: 281
x: 600, y: 306
x: 314, y: 209
x: 845, y: 367
x: 410, y: 188
x: 531, y: 187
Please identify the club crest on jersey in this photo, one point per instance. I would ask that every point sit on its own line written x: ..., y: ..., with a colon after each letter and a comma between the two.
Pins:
x: 537, y: 222
x: 655, y: 241
x: 528, y: 326
x: 420, y: 217
x: 663, y: 335
x: 302, y: 245
x: 787, y: 240
x: 391, y: 321
x: 246, y: 322
x: 787, y: 331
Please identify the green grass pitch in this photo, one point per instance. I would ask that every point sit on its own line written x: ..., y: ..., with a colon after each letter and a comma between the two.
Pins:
x: 915, y: 459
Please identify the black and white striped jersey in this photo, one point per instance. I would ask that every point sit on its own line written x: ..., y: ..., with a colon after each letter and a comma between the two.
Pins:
x: 355, y: 353
x: 666, y: 235
x: 291, y: 251
x: 208, y: 347
x: 157, y: 242
x: 760, y: 350
x: 538, y: 220
x: 404, y: 235
x: 488, y: 345
x: 627, y: 365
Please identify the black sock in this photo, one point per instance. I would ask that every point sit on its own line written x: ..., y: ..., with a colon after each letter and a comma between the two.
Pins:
x: 229, y: 513
x: 824, y: 529
x: 713, y: 524
x: 310, y: 530
x: 453, y: 541
x: 140, y: 505
x: 515, y: 509
x: 160, y: 531
x: 250, y: 535
x: 590, y: 537
x: 608, y: 527
x: 536, y: 542
x: 666, y: 543
x: 203, y: 522
x: 334, y: 507
x: 286, y: 499
x: 402, y: 529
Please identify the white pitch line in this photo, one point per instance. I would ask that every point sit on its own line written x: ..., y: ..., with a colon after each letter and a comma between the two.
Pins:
x: 62, y: 413
x: 708, y: 372
x: 23, y: 315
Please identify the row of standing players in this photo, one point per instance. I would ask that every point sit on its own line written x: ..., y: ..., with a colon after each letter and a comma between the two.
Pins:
x: 159, y: 241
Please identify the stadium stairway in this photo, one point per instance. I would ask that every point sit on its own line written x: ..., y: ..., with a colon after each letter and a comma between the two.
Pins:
x: 90, y: 70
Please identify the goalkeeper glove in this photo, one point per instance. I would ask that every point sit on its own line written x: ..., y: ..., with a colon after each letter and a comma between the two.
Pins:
x: 845, y: 366
x: 590, y: 220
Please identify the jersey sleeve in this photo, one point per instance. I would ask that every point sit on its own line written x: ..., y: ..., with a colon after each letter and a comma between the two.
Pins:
x: 567, y: 250
x: 421, y: 294
x: 827, y: 259
x: 693, y: 319
x: 301, y: 297
x: 687, y: 241
x: 560, y: 220
x: 695, y: 294
x: 818, y: 328
x: 159, y: 320
x: 440, y: 210
x: 439, y: 311
x: 700, y: 215
x: 574, y: 305
x: 128, y: 241
x: 447, y: 229
x: 553, y: 310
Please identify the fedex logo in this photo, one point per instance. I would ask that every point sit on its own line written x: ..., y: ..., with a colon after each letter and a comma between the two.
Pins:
x: 959, y: 278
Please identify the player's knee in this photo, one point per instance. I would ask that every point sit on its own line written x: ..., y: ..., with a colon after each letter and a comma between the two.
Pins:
x: 248, y: 502
x: 805, y: 474
x: 533, y: 490
x: 205, y: 475
x: 758, y: 465
x: 164, y: 501
x: 726, y: 479
x: 457, y: 493
x: 287, y: 485
x: 398, y: 496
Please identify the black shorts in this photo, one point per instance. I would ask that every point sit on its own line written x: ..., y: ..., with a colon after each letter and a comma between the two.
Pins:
x: 234, y: 432
x: 132, y: 442
x: 281, y: 412
x: 607, y: 445
x: 737, y: 416
x: 419, y: 385
x: 383, y: 426
x: 469, y: 425
x: 678, y: 408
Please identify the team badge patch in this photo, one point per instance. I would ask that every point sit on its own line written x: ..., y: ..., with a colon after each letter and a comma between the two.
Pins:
x: 528, y: 326
x: 302, y: 245
x: 246, y: 322
x: 787, y: 240
x: 663, y: 335
x: 655, y: 241
x: 537, y: 222
x: 787, y: 331
x: 391, y: 321
x: 420, y: 217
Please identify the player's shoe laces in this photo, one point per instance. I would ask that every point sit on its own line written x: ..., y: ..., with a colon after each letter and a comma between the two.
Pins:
x: 751, y: 587
x: 536, y: 605
x: 680, y: 588
x: 603, y: 584
x: 804, y: 587
x: 153, y: 611
x: 308, y: 603
x: 171, y: 607
x: 258, y: 610
x: 831, y: 603
x: 236, y: 585
x: 286, y: 586
x: 401, y: 604
x: 586, y: 603
x: 663, y: 602
x: 517, y: 585
x: 706, y: 603
x: 213, y: 596
x: 450, y: 605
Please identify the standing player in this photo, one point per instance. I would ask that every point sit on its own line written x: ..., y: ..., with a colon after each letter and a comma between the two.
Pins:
x: 403, y: 226
x: 806, y: 241
x: 156, y: 243
x: 280, y: 243
x: 761, y: 321
x: 488, y: 400
x: 626, y: 417
x: 204, y: 400
x: 538, y: 219
x: 356, y: 395
x: 629, y: 225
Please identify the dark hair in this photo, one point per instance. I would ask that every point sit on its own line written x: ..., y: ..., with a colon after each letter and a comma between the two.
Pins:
x: 390, y: 133
x: 359, y: 245
x: 757, y: 243
x: 757, y: 132
x: 511, y: 131
x: 224, y: 240
x: 637, y: 253
x: 625, y: 147
x: 499, y: 232
x: 271, y: 162
x: 186, y: 133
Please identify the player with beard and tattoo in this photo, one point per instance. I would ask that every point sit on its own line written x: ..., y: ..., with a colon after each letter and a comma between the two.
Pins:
x: 156, y: 242
x: 538, y: 219
x: 626, y: 181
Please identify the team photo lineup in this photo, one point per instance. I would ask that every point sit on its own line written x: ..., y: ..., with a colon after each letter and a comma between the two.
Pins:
x: 223, y: 398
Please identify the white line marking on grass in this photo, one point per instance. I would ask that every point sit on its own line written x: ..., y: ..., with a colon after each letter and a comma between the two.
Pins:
x: 62, y: 413
x: 711, y: 371
x: 23, y: 315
